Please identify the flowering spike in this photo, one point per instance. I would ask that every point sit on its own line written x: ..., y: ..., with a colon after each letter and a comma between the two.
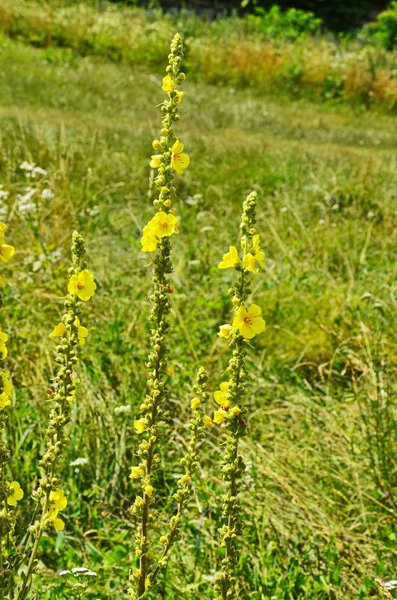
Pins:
x: 50, y: 498
x: 168, y: 160
x: 231, y: 415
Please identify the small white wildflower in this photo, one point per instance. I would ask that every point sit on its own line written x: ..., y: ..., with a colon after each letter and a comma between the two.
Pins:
x: 47, y: 194
x: 321, y: 222
x: 91, y: 574
x: 79, y: 462
x: 38, y: 171
x: 79, y: 570
x: 24, y: 201
x: 390, y: 585
x: 122, y: 409
x: 283, y: 209
x: 3, y: 194
x: 63, y: 573
x: 25, y: 166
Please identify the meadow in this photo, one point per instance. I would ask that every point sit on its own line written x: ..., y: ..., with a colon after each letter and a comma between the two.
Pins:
x: 320, y: 487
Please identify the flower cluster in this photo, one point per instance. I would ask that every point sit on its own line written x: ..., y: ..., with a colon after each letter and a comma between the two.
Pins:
x: 247, y: 321
x: 246, y: 324
x: 58, y: 502
x: 10, y: 491
x: 169, y: 160
x: 49, y: 496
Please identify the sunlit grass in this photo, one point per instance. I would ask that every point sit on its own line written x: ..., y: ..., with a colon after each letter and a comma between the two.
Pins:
x: 320, y: 523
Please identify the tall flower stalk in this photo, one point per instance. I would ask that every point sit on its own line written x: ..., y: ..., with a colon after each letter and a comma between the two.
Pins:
x: 49, y: 496
x: 10, y: 491
x: 231, y: 412
x: 170, y: 159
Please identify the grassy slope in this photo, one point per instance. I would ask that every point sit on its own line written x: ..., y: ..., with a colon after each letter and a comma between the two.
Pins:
x: 320, y: 522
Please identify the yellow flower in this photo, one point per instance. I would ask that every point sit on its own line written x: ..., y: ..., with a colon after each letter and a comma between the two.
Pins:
x: 225, y: 331
x: 149, y: 490
x: 179, y: 161
x: 221, y: 395
x: 58, y: 499
x: 82, y: 332
x: 170, y: 371
x: 220, y: 416
x: 6, y: 387
x: 149, y: 241
x: 136, y: 473
x: 163, y: 225
x: 156, y: 161
x: 195, y: 404
x: 234, y: 412
x: 6, y: 252
x: 184, y: 480
x: 249, y: 322
x: 207, y: 422
x: 257, y: 252
x: 168, y: 84
x: 140, y: 425
x: 249, y: 263
x: 230, y: 259
x: 16, y: 493
x: 58, y: 331
x: 178, y: 96
x: 59, y: 525
x: 71, y: 396
x: 82, y: 284
x: 57, y: 502
x: 3, y: 347
x: 164, y: 539
x: 3, y: 228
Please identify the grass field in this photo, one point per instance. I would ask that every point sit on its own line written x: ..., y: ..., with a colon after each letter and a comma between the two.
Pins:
x: 321, y: 484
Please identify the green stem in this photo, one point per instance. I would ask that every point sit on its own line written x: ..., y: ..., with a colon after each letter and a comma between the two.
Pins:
x: 22, y: 593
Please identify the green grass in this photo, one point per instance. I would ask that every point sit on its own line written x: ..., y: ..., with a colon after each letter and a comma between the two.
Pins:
x: 320, y: 497
x: 256, y: 52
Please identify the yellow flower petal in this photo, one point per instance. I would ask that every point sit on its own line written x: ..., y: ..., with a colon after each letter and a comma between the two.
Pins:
x: 6, y: 252
x: 82, y: 285
x: 82, y: 333
x: 207, y: 422
x: 58, y: 331
x: 225, y: 331
x: 168, y: 84
x: 249, y: 261
x: 178, y: 96
x: 220, y: 416
x: 230, y: 259
x: 149, y: 490
x: 156, y: 161
x: 59, y: 525
x: 140, y: 425
x: 249, y: 322
x: 16, y: 493
x: 136, y: 473
x: 58, y: 499
x: 234, y: 412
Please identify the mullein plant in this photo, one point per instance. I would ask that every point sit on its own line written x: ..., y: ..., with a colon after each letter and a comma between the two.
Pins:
x: 10, y: 491
x: 231, y: 413
x: 49, y: 496
x: 168, y: 161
